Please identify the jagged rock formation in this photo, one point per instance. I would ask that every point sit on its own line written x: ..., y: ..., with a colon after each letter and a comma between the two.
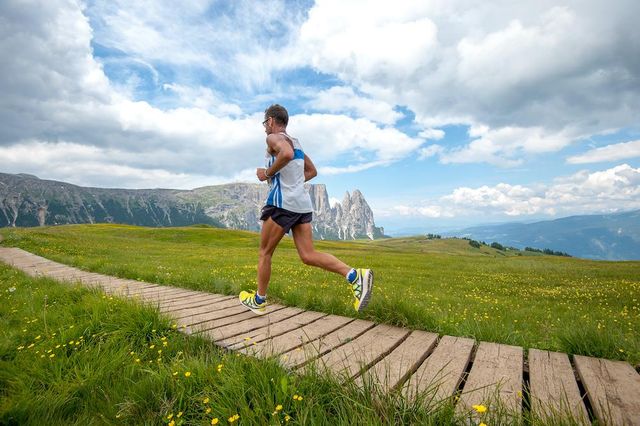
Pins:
x: 26, y: 200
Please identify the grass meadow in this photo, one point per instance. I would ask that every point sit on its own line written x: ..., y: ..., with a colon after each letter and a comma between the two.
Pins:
x: 71, y: 355
x: 520, y: 298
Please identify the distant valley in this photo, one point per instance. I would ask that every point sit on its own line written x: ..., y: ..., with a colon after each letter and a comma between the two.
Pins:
x: 607, y: 237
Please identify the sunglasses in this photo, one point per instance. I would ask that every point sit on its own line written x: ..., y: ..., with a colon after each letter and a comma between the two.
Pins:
x: 264, y: 123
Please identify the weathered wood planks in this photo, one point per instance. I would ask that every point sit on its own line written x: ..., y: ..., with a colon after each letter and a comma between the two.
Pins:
x: 553, y: 387
x: 613, y: 388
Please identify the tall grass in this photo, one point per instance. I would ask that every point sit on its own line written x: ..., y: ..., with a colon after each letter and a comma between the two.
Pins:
x: 445, y: 286
x: 70, y: 355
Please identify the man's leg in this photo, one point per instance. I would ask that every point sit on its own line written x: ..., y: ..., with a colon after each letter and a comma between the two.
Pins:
x: 303, y: 238
x: 361, y: 280
x: 270, y: 236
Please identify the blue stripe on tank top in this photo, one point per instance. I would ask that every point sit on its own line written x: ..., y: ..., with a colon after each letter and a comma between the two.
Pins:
x: 298, y: 154
x: 279, y: 191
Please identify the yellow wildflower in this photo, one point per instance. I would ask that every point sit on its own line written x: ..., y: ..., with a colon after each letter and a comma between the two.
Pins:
x: 480, y: 408
x: 205, y: 401
x: 187, y: 374
x: 278, y: 407
x: 214, y: 421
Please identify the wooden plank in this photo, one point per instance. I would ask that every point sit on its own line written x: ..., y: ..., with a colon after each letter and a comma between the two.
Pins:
x: 213, y: 318
x: 553, y: 387
x: 439, y: 376
x: 402, y: 361
x: 613, y: 387
x: 252, y: 323
x: 156, y: 296
x: 24, y: 263
x: 298, y: 337
x: 192, y: 311
x: 154, y: 300
x: 192, y: 302
x: 495, y: 380
x: 348, y: 360
x: 272, y: 330
x: 303, y: 354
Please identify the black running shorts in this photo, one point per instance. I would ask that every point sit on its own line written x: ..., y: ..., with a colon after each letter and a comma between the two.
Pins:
x: 285, y: 218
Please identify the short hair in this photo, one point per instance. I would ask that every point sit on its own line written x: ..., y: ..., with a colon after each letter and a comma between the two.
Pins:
x: 279, y: 113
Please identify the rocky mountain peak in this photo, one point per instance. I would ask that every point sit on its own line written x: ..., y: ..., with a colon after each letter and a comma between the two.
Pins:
x: 29, y: 201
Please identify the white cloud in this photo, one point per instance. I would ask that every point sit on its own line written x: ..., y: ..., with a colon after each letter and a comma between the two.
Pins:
x: 360, y: 141
x: 504, y: 147
x: 611, y: 190
x: 79, y: 114
x: 231, y: 41
x: 558, y: 73
x: 430, y: 151
x: 204, y: 98
x: 340, y: 99
x: 435, y: 134
x: 366, y: 40
x: 613, y: 152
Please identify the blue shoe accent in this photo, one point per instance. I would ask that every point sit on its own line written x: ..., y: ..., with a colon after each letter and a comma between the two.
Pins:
x: 259, y: 299
x: 352, y: 276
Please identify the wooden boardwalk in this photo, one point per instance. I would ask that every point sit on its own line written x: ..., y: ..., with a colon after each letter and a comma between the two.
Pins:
x: 410, y: 361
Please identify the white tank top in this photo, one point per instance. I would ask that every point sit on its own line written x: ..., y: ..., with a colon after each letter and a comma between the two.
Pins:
x: 286, y: 188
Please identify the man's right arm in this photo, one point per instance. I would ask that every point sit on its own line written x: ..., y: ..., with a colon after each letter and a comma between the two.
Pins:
x: 283, y: 151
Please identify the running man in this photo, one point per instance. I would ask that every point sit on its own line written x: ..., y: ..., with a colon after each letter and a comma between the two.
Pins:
x: 288, y: 207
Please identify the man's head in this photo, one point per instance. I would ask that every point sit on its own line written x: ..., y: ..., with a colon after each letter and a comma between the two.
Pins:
x: 278, y: 113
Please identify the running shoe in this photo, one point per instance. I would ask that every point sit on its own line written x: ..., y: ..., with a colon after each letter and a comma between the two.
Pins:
x: 248, y: 299
x: 362, y: 287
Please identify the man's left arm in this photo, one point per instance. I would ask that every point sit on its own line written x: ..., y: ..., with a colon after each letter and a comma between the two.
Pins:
x: 309, y: 169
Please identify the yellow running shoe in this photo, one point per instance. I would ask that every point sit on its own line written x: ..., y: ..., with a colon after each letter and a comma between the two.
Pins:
x: 362, y: 288
x: 248, y: 299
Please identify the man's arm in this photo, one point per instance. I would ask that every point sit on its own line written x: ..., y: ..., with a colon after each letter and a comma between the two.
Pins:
x: 284, y: 153
x: 309, y: 169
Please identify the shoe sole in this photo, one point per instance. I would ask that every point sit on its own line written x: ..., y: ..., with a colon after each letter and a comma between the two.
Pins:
x: 255, y: 311
x: 366, y: 293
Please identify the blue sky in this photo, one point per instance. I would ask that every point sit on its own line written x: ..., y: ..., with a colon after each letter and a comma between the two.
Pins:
x: 443, y: 114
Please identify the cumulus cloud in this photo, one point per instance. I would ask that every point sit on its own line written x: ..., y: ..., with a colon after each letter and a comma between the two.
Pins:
x: 341, y: 99
x: 611, y: 190
x: 613, y: 152
x: 506, y: 146
x: 58, y: 102
x: 558, y: 73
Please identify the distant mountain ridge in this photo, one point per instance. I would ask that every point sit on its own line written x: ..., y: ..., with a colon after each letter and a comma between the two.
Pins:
x: 607, y: 237
x: 26, y: 200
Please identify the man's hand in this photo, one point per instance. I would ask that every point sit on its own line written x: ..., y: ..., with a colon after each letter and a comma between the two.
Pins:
x: 261, y: 173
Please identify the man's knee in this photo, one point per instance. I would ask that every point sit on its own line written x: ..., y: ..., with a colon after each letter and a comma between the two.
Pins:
x: 266, y: 254
x: 308, y: 258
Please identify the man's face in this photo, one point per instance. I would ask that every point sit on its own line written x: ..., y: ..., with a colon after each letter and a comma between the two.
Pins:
x: 268, y: 124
